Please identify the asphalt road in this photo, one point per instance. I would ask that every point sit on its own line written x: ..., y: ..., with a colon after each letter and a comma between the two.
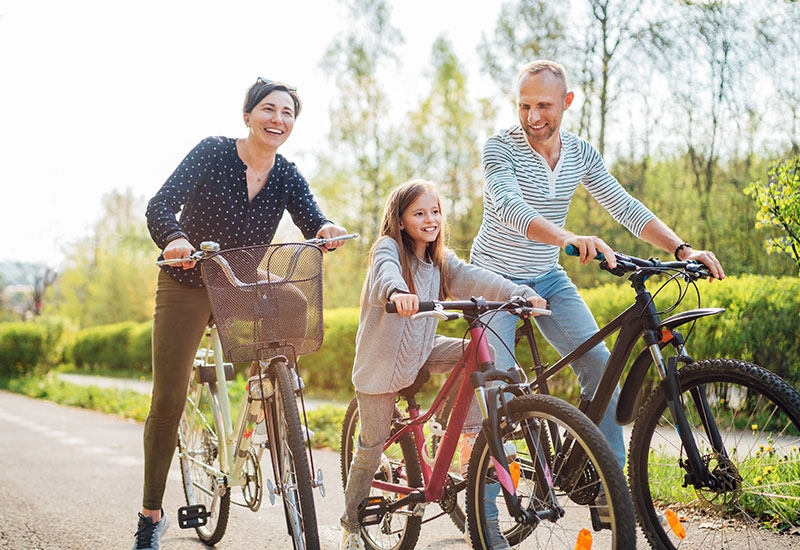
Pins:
x: 71, y: 479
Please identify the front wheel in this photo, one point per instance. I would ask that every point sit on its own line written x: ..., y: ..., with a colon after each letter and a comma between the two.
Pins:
x: 198, y: 452
x: 755, y: 495
x: 295, y: 475
x: 400, y: 465
x: 536, y: 440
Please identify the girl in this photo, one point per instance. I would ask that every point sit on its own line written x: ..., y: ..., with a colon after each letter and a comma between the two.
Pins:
x: 408, y: 263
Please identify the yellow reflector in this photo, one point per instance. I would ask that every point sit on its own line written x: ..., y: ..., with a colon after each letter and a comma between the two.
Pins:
x: 584, y: 540
x: 675, y: 524
x: 515, y: 472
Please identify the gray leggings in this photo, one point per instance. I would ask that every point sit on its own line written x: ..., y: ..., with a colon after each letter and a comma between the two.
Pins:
x: 375, y: 412
x: 181, y: 316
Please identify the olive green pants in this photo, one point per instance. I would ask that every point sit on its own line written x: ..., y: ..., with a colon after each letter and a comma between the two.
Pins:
x: 181, y: 315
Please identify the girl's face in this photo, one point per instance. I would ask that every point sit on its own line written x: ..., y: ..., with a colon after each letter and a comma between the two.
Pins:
x: 422, y: 221
x: 272, y: 120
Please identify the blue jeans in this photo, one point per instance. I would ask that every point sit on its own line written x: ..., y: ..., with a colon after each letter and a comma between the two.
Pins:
x: 570, y: 324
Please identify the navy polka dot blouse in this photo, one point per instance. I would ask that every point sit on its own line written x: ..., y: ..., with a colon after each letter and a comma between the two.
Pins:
x: 211, y: 188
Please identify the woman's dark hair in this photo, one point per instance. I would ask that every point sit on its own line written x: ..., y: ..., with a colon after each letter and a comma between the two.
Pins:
x: 262, y: 89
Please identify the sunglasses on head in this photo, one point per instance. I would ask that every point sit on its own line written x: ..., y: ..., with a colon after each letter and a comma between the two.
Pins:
x: 261, y: 80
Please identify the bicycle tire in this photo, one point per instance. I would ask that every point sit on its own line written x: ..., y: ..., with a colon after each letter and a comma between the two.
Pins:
x: 293, y: 465
x: 402, y: 464
x: 530, y: 419
x: 741, y: 395
x: 197, y: 440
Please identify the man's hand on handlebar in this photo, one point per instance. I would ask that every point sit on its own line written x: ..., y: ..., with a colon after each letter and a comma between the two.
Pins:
x: 179, y: 248
x: 707, y: 258
x: 589, y: 247
x: 407, y: 304
x: 328, y: 232
x: 538, y: 302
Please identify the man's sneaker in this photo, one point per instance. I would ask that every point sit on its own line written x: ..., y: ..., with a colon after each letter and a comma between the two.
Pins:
x: 148, y: 534
x: 601, y: 515
x: 351, y: 540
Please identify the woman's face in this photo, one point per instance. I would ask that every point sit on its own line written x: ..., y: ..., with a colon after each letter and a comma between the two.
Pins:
x: 272, y: 120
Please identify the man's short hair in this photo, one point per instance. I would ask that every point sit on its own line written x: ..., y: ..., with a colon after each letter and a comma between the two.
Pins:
x: 556, y: 69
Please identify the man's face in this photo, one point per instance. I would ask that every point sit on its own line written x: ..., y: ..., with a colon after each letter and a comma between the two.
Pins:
x: 541, y: 103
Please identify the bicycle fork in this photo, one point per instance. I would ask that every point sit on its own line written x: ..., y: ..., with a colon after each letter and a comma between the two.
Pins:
x: 697, y: 474
x: 491, y: 426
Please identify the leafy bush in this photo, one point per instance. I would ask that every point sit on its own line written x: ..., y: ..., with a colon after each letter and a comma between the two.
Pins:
x: 25, y: 346
x: 116, y: 346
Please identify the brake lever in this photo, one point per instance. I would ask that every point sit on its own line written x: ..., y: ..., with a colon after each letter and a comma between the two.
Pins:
x: 440, y: 314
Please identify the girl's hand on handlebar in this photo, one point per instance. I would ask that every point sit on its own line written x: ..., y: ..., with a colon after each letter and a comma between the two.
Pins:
x: 328, y: 232
x: 407, y: 304
x: 179, y: 248
x: 589, y: 247
x: 707, y: 258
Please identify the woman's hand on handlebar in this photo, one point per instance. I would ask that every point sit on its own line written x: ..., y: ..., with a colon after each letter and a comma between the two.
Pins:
x: 707, y: 258
x: 589, y: 247
x: 328, y: 232
x: 407, y: 304
x: 180, y: 248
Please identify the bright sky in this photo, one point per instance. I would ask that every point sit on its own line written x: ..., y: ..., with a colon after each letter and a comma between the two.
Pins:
x: 97, y: 95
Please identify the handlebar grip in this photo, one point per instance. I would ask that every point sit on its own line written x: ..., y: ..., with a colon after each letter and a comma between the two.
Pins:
x: 391, y: 307
x: 572, y: 250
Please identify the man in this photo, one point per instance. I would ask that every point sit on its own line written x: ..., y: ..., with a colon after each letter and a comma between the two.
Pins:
x: 531, y: 172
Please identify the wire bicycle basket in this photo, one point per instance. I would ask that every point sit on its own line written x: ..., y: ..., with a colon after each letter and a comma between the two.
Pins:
x: 266, y: 297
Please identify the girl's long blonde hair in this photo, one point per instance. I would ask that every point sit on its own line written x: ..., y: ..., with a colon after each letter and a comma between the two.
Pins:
x: 399, y: 200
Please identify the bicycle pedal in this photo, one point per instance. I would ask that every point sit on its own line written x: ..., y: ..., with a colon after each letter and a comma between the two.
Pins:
x: 192, y: 516
x: 371, y: 511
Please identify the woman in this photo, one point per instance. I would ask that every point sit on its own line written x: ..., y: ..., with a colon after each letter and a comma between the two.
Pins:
x: 234, y: 192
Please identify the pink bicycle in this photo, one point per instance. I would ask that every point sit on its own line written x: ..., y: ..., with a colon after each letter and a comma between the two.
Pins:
x: 540, y: 469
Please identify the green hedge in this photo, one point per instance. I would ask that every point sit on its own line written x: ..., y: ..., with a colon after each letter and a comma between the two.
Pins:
x: 117, y: 346
x: 24, y: 346
x: 761, y: 325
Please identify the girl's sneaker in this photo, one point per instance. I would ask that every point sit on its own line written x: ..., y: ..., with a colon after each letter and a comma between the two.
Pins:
x: 351, y: 540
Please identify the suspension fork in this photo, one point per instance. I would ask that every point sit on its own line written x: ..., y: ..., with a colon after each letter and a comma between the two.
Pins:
x: 698, y: 474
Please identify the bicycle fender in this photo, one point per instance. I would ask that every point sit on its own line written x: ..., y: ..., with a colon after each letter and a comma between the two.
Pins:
x: 629, y: 397
x: 691, y: 315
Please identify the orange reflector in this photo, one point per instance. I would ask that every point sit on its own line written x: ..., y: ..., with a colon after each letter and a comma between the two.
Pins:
x: 584, y: 540
x: 515, y: 472
x: 675, y: 524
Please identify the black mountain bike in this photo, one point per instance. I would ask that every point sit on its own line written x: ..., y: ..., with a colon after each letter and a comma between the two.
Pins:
x: 714, y: 454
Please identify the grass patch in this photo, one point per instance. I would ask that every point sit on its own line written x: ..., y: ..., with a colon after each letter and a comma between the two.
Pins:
x: 124, y: 403
x: 132, y: 374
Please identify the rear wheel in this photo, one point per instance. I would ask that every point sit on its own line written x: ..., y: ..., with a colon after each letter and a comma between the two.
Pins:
x: 198, y: 452
x: 399, y: 464
x: 295, y: 482
x: 756, y: 496
x: 534, y: 440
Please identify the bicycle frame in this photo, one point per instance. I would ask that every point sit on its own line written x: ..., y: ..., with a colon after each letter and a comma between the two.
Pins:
x: 477, y: 365
x: 639, y: 320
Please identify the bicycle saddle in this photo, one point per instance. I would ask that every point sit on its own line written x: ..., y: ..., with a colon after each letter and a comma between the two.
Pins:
x: 422, y: 376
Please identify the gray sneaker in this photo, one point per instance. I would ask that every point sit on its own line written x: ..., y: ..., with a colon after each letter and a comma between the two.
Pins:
x: 148, y: 534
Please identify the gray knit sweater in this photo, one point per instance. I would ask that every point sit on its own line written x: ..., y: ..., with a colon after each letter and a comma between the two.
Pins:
x: 390, y: 349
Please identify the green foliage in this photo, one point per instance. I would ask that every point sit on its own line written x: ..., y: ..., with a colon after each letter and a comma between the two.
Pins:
x: 778, y: 199
x: 760, y: 326
x: 110, y: 276
x: 115, y: 346
x: 326, y: 423
x: 28, y: 346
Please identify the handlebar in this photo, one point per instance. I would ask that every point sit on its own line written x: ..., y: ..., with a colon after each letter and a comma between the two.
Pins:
x: 436, y: 308
x: 628, y: 264
x: 209, y: 247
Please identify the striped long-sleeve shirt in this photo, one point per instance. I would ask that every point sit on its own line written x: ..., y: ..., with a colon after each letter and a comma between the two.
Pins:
x: 519, y: 186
